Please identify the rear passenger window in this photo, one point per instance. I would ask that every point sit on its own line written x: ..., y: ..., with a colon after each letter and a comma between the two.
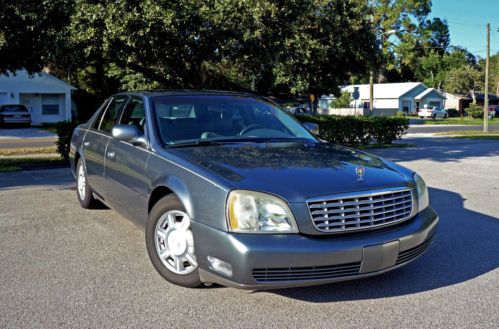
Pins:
x: 112, y: 111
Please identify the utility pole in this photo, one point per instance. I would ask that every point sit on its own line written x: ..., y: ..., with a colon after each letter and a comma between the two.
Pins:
x: 487, y: 72
x: 371, y: 92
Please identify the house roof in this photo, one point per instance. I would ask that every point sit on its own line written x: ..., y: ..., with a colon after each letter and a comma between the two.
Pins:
x: 41, y: 82
x: 427, y: 92
x: 384, y: 90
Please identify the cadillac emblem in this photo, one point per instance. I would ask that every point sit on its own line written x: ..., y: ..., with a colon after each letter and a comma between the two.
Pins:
x: 360, y: 171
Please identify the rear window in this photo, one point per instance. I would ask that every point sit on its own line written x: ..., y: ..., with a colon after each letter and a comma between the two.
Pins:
x: 13, y: 108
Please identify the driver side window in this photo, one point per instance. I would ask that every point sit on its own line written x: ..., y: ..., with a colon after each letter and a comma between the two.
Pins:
x: 134, y: 113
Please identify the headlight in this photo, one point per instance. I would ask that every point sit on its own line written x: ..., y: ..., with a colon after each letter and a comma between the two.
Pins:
x: 422, y: 193
x: 255, y: 212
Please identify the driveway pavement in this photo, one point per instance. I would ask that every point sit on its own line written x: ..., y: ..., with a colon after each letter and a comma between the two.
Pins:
x: 65, y: 267
x: 26, y: 137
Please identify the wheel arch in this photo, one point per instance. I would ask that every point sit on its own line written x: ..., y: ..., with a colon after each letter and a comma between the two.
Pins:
x: 170, y: 186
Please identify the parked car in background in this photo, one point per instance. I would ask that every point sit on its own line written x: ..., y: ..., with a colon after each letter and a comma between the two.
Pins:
x: 434, y: 113
x: 14, y: 114
x: 233, y: 190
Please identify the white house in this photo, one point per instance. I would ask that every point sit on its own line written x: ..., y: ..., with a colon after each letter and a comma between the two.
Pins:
x: 389, y: 98
x: 47, y: 98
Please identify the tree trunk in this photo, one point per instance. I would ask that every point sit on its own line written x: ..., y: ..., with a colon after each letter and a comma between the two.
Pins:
x: 473, y: 96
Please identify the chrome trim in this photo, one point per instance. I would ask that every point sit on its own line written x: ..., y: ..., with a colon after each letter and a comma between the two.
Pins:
x: 317, y: 212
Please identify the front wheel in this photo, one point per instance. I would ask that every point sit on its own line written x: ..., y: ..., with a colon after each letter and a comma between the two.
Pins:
x: 170, y: 243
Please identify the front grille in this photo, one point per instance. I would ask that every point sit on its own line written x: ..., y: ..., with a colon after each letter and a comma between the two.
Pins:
x: 306, y: 273
x: 413, y: 253
x: 351, y: 212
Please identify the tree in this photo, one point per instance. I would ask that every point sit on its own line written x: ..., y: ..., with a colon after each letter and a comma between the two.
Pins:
x: 463, y: 80
x: 31, y: 32
x: 439, y: 34
x: 494, y: 72
x: 401, y: 51
x: 433, y: 67
x: 342, y: 101
x: 306, y: 47
x: 325, y: 43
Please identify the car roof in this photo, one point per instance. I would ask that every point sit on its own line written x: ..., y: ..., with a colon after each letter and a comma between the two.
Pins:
x: 187, y: 92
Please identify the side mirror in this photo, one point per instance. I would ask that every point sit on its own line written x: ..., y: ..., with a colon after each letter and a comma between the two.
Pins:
x: 130, y: 134
x: 312, y: 127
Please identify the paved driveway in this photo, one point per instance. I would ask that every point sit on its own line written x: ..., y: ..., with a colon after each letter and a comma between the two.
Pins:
x: 65, y: 267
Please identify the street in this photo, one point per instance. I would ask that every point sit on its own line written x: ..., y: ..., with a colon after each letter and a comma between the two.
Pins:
x: 66, y: 267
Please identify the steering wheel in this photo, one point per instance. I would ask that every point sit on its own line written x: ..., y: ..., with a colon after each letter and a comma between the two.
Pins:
x: 250, y: 128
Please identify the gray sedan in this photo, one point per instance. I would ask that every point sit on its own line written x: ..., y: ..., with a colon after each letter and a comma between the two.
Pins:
x: 232, y: 190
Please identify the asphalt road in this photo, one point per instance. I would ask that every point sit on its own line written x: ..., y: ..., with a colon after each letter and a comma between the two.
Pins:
x: 65, y: 267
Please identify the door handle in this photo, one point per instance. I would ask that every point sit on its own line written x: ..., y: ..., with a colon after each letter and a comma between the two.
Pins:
x: 86, y: 144
x: 111, y: 155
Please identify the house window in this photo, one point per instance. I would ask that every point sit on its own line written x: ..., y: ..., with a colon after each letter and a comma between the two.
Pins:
x: 434, y: 104
x: 50, y: 105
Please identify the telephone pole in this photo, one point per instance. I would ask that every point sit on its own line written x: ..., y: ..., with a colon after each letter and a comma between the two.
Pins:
x: 487, y: 72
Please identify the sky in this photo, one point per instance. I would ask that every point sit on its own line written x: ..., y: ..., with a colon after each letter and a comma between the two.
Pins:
x: 467, y: 20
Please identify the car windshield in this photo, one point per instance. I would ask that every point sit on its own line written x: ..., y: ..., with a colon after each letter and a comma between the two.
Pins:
x: 198, y: 119
x: 13, y: 108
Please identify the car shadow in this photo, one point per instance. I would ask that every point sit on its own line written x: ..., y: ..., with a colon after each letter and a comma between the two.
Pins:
x: 464, y: 248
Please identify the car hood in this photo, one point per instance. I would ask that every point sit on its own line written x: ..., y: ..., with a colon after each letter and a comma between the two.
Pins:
x: 295, y: 171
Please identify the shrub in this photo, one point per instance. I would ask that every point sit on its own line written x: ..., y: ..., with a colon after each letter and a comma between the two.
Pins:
x: 64, y: 131
x: 354, y: 131
x: 342, y: 101
x: 474, y: 111
x: 453, y: 113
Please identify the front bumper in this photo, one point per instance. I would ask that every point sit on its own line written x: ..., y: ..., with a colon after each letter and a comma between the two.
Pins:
x: 262, y: 261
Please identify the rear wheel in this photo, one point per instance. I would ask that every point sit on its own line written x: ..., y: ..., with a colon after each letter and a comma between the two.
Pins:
x: 170, y: 243
x: 83, y: 190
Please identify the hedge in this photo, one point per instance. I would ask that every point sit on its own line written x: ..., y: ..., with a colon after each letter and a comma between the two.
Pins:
x: 65, y: 131
x: 360, y: 130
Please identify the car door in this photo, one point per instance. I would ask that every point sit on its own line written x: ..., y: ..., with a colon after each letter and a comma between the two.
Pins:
x: 95, y: 143
x: 126, y: 164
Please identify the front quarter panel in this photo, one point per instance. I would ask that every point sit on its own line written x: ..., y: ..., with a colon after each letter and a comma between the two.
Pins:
x: 203, y: 199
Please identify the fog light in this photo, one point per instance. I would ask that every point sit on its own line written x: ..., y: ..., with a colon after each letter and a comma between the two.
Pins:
x: 220, y: 266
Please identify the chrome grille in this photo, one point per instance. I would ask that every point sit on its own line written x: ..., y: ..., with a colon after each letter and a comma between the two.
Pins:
x: 367, y: 210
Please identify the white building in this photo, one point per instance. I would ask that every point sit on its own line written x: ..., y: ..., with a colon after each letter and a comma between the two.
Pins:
x: 47, y: 98
x: 389, y: 98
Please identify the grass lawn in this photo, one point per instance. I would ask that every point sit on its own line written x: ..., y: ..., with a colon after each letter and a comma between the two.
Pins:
x: 28, y: 150
x: 18, y: 164
x: 459, y: 121
x: 472, y: 134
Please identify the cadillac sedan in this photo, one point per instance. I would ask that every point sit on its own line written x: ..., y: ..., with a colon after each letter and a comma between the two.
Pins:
x: 230, y: 189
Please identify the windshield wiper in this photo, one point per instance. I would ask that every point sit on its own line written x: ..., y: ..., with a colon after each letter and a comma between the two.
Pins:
x: 200, y: 142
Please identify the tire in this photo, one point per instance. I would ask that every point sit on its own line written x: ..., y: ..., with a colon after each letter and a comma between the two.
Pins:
x: 170, y: 243
x: 83, y: 190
